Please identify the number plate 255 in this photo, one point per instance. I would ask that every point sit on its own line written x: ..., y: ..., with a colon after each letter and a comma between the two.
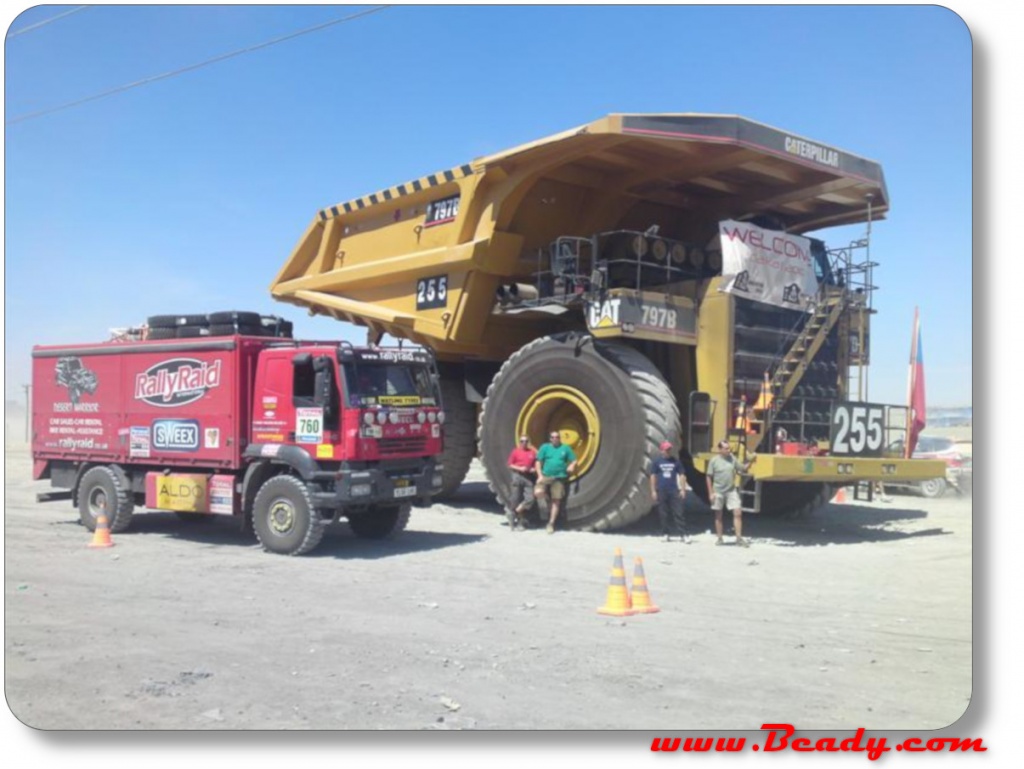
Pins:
x: 432, y: 292
x: 858, y: 429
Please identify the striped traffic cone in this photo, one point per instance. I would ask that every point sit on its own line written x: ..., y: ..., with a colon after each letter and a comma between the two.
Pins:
x: 641, y: 597
x: 101, y: 536
x: 617, y: 604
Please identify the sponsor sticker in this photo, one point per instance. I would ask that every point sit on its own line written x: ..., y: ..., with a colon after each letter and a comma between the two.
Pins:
x: 270, y: 450
x: 138, y: 442
x: 211, y: 438
x: 177, y: 381
x: 325, y: 451
x: 399, y: 400
x: 269, y: 437
x: 176, y: 434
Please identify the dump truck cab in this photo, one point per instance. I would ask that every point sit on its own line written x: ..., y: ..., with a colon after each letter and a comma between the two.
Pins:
x: 586, y: 283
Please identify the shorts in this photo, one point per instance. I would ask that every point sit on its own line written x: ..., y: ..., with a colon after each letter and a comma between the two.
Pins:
x: 522, y: 492
x: 553, y: 486
x: 730, y: 500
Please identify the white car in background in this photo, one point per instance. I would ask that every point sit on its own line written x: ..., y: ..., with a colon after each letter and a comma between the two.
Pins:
x: 958, y: 468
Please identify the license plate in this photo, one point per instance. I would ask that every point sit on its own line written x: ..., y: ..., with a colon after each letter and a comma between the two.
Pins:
x: 409, y: 491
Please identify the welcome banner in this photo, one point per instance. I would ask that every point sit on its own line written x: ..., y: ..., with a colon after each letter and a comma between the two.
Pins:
x: 767, y: 265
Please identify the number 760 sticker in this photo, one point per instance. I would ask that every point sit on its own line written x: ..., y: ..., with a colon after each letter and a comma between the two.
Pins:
x: 309, y: 425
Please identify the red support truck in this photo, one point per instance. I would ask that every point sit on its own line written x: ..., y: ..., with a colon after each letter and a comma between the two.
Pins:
x: 284, y: 434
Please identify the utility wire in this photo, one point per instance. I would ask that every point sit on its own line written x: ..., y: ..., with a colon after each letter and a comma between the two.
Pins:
x: 44, y: 22
x: 189, y: 68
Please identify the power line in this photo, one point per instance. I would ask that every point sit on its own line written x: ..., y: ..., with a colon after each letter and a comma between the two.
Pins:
x: 44, y: 22
x: 189, y: 68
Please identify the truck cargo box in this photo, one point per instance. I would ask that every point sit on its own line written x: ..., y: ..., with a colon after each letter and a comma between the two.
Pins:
x: 173, y: 403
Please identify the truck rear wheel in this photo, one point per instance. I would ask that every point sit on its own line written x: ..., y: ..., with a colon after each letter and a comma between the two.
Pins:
x: 102, y: 490
x: 611, y: 406
x: 381, y: 522
x: 283, y: 517
x: 459, y: 436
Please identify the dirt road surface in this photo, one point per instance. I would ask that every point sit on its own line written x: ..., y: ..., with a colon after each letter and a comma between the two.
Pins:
x: 860, y: 617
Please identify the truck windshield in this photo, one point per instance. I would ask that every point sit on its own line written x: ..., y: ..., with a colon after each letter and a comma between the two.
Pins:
x: 388, y: 384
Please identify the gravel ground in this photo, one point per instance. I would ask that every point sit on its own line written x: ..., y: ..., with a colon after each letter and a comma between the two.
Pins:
x: 859, y: 617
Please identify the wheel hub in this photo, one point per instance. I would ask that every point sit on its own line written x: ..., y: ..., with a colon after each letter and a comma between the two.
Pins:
x: 282, y: 516
x: 98, y: 502
x: 567, y: 411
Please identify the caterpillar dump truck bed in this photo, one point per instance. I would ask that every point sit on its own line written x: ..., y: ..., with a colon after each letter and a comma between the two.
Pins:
x: 604, y: 241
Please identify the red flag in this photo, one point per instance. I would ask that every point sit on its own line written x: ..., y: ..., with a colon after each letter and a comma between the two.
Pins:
x: 915, y: 395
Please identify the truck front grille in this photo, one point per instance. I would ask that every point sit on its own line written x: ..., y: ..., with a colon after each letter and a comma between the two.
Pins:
x: 415, y: 445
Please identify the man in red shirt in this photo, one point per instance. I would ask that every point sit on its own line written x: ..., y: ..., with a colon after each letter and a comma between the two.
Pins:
x: 521, y: 462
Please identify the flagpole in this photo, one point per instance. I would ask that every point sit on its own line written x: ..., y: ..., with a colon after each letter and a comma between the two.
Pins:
x: 910, y: 385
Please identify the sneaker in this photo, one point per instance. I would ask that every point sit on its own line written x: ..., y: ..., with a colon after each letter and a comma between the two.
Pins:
x: 687, y: 540
x: 742, y: 542
x: 719, y: 541
x: 666, y: 538
x: 550, y: 529
x: 511, y: 518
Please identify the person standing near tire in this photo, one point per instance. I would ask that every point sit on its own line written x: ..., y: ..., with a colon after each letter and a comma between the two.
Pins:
x: 722, y: 490
x: 555, y: 463
x: 668, y: 491
x: 521, y: 462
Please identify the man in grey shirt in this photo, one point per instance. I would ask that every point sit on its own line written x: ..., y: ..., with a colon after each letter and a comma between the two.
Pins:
x: 722, y: 491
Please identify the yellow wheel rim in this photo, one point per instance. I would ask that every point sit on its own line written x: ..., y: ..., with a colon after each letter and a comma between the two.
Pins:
x: 570, y: 413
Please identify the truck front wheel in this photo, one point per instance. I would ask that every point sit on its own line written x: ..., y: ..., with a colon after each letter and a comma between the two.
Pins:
x: 101, y: 490
x: 283, y: 517
x: 381, y: 522
x: 608, y: 403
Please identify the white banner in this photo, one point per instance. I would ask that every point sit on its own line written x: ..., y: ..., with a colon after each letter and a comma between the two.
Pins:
x: 767, y: 265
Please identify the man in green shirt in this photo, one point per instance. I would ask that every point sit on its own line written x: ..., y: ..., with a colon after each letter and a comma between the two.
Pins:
x: 722, y: 491
x: 555, y: 463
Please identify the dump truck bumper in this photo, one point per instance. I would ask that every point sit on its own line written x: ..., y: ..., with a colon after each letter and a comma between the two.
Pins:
x: 830, y: 469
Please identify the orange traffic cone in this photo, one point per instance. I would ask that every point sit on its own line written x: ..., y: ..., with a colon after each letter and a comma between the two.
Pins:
x: 617, y: 604
x: 641, y: 598
x: 101, y: 537
x: 840, y: 497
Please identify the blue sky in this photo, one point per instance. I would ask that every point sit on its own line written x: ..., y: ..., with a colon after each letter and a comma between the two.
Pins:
x: 188, y: 194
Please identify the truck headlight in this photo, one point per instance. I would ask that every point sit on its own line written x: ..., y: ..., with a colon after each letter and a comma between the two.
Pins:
x: 432, y: 416
x: 421, y: 417
x: 440, y: 417
x: 368, y: 417
x: 393, y: 417
x: 361, y: 489
x: 381, y: 417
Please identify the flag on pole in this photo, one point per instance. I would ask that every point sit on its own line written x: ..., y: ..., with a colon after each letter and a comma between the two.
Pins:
x: 915, y: 392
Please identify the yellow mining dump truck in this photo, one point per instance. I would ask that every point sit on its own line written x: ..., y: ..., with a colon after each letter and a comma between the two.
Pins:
x: 637, y: 279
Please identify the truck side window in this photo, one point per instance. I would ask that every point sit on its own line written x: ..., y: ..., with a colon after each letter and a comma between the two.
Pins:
x: 303, y: 383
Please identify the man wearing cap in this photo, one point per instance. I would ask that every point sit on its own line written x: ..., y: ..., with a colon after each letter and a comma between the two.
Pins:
x: 722, y: 491
x: 668, y: 490
x: 521, y: 462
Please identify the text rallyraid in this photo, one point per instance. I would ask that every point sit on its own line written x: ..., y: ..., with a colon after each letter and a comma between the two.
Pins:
x: 165, y: 384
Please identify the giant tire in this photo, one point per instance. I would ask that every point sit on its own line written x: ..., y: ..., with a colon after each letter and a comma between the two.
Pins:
x: 104, y: 490
x: 381, y: 523
x: 793, y: 499
x: 283, y: 517
x: 459, y: 436
x: 636, y: 409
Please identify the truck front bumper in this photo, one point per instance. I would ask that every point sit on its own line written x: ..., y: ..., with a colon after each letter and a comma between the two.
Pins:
x: 834, y: 469
x: 383, y: 485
